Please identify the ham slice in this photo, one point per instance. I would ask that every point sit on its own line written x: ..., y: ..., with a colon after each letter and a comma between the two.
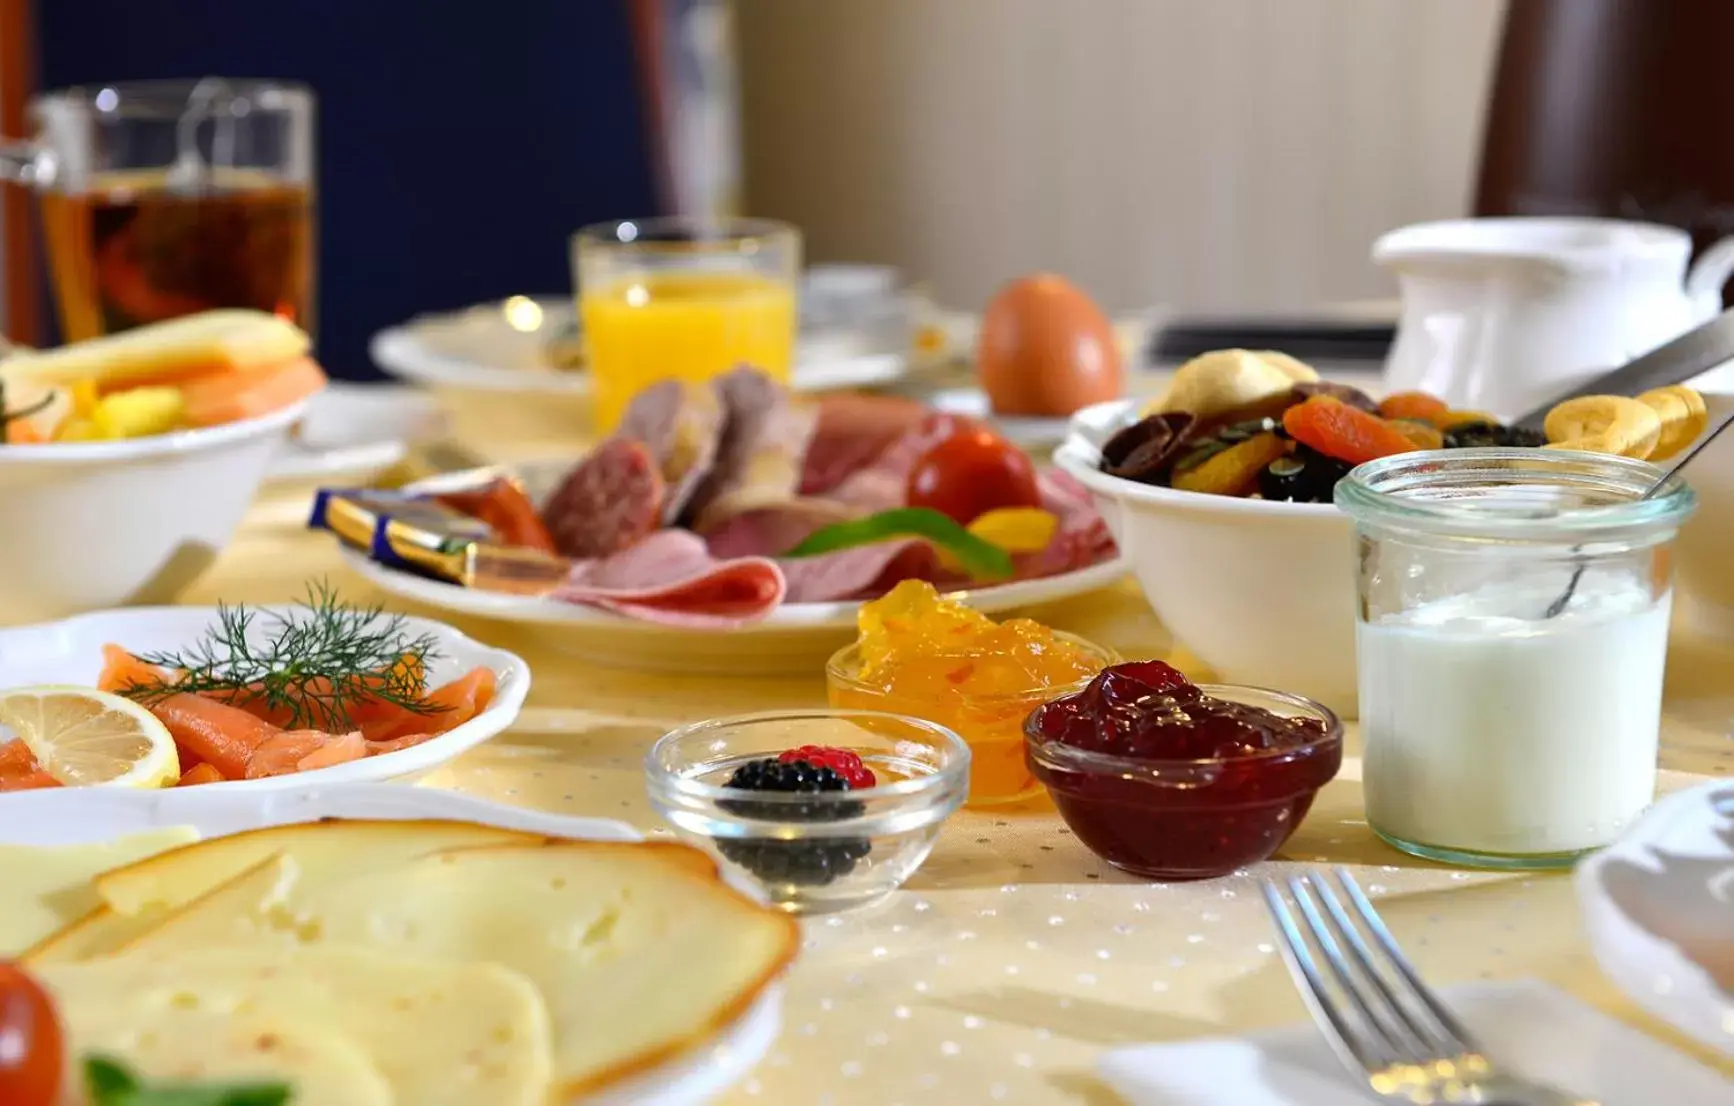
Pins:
x: 862, y: 572
x: 853, y: 429
x: 882, y: 484
x: 671, y: 578
x: 771, y: 531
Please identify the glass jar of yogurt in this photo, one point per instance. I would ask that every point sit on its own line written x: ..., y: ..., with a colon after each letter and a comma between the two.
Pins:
x: 1511, y: 637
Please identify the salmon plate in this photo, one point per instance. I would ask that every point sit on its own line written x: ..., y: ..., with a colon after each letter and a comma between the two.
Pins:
x: 260, y: 694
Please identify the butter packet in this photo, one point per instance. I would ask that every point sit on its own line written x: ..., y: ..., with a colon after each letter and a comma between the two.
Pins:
x: 418, y: 534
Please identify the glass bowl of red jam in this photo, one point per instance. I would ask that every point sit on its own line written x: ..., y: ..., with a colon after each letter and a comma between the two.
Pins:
x: 1172, y: 780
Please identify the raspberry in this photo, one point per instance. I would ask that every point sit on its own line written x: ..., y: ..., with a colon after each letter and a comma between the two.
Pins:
x: 841, y: 761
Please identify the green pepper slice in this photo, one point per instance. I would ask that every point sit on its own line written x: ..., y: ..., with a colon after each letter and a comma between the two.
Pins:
x: 980, y: 558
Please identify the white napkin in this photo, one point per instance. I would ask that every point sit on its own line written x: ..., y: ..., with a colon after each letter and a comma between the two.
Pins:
x: 1534, y: 1029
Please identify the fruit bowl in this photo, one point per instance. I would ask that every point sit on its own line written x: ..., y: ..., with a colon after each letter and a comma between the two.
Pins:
x: 92, y: 525
x: 1194, y: 818
x: 1263, y: 592
x: 850, y: 810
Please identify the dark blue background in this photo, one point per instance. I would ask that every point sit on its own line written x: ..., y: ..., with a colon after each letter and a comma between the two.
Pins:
x: 460, y: 143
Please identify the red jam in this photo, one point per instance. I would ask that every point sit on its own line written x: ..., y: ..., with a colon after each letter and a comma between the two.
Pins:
x: 1163, y: 779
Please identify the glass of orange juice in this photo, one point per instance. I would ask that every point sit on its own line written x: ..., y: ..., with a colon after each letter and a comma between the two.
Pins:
x: 684, y: 299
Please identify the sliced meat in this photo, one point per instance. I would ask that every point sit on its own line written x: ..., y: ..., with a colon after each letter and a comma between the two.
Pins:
x: 758, y: 462
x: 609, y: 502
x: 671, y: 578
x: 862, y: 572
x: 771, y: 531
x: 881, y: 485
x: 682, y: 425
x: 852, y: 429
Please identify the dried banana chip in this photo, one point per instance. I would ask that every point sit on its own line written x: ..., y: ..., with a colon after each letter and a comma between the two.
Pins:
x: 1604, y: 424
x: 1221, y: 380
x: 1683, y: 415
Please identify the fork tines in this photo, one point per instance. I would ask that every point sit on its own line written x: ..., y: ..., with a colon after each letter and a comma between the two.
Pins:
x: 1378, y: 1015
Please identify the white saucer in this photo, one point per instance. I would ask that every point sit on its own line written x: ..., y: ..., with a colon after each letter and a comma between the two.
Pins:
x: 356, y: 431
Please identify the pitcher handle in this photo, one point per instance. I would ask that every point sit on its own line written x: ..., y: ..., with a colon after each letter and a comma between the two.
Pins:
x: 1708, y: 274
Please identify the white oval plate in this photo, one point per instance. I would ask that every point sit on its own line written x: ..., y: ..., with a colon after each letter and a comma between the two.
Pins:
x: 355, y: 431
x: 70, y: 652
x: 1658, y: 906
x: 478, y: 348
x: 35, y: 818
x: 790, y: 639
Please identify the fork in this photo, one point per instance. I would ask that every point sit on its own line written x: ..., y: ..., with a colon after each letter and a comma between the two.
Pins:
x: 1384, y: 1024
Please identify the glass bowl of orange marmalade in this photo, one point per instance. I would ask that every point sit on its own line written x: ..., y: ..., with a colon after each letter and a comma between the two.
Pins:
x: 932, y: 658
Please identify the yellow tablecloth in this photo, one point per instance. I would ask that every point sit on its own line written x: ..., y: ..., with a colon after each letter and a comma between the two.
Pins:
x: 1013, y: 957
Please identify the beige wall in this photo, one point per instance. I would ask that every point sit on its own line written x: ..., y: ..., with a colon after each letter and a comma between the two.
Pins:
x: 1209, y: 154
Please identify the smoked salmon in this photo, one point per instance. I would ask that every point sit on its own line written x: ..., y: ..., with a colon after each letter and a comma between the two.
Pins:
x: 303, y: 751
x: 456, y: 703
x: 19, y: 770
x: 122, y: 670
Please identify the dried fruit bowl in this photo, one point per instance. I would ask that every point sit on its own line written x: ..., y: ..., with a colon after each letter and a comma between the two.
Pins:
x: 812, y: 852
x: 1190, y: 819
x: 1262, y: 592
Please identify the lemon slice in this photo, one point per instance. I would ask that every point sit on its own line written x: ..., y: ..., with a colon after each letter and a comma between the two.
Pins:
x: 84, y: 737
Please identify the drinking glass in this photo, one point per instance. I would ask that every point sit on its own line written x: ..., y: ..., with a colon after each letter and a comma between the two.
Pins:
x: 683, y: 299
x: 164, y: 198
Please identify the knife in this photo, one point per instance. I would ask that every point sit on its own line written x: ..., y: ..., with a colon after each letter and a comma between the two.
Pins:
x: 1697, y: 351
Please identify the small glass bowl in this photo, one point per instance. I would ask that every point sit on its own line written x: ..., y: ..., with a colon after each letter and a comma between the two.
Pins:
x: 992, y: 725
x: 1190, y: 819
x: 812, y: 852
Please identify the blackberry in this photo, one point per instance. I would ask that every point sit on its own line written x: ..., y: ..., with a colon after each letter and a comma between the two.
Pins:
x: 812, y: 862
x: 1489, y: 435
x: 1304, y: 476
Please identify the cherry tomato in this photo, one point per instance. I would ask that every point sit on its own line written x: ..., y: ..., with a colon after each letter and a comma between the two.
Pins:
x: 30, y: 1043
x: 970, y: 473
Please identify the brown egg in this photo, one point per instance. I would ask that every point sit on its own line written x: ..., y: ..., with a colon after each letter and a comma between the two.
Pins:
x: 1046, y: 349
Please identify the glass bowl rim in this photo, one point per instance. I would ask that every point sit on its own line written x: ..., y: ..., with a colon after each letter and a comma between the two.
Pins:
x: 949, y: 775
x: 1055, y: 754
x: 1109, y: 656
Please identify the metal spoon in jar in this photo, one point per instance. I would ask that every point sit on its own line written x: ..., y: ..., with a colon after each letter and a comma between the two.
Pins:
x: 1559, y: 604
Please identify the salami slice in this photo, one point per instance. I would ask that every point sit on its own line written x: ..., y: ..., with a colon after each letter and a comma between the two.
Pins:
x: 610, y: 501
x: 681, y: 425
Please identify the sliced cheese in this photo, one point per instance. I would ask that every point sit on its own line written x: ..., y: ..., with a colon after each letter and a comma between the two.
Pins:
x: 330, y: 849
x: 46, y: 888
x: 320, y: 1065
x: 438, y: 1033
x: 101, y: 932
x: 232, y: 339
x: 639, y: 950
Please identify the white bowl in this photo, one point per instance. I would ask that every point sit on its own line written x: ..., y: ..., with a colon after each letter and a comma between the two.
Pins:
x: 1262, y: 592
x: 70, y: 652
x: 90, y: 525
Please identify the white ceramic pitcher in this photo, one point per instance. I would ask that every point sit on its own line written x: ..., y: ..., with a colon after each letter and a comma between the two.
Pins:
x: 1500, y: 315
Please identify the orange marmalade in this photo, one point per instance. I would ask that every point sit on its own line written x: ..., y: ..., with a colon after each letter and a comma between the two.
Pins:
x: 933, y: 658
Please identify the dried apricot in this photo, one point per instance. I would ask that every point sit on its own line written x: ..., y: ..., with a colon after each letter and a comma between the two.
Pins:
x: 1413, y: 405
x: 1424, y: 434
x: 1346, y: 433
x: 1234, y: 471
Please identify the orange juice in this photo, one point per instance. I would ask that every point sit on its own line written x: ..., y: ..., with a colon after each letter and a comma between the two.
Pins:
x: 682, y: 324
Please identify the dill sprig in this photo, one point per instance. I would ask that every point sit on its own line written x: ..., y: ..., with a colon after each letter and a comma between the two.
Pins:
x: 311, y: 664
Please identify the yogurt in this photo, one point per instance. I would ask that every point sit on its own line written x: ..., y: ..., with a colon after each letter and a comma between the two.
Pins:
x: 1490, y: 729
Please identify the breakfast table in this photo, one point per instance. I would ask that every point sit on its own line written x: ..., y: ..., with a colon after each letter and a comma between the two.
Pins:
x: 1013, y: 957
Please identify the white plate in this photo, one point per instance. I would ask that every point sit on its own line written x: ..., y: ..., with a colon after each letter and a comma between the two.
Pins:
x: 790, y: 639
x: 1024, y: 431
x: 70, y: 652
x: 35, y: 818
x: 355, y: 431
x: 480, y: 348
x: 1659, y: 904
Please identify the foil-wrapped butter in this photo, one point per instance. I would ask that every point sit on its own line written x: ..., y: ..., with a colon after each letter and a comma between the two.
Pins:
x: 418, y: 534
